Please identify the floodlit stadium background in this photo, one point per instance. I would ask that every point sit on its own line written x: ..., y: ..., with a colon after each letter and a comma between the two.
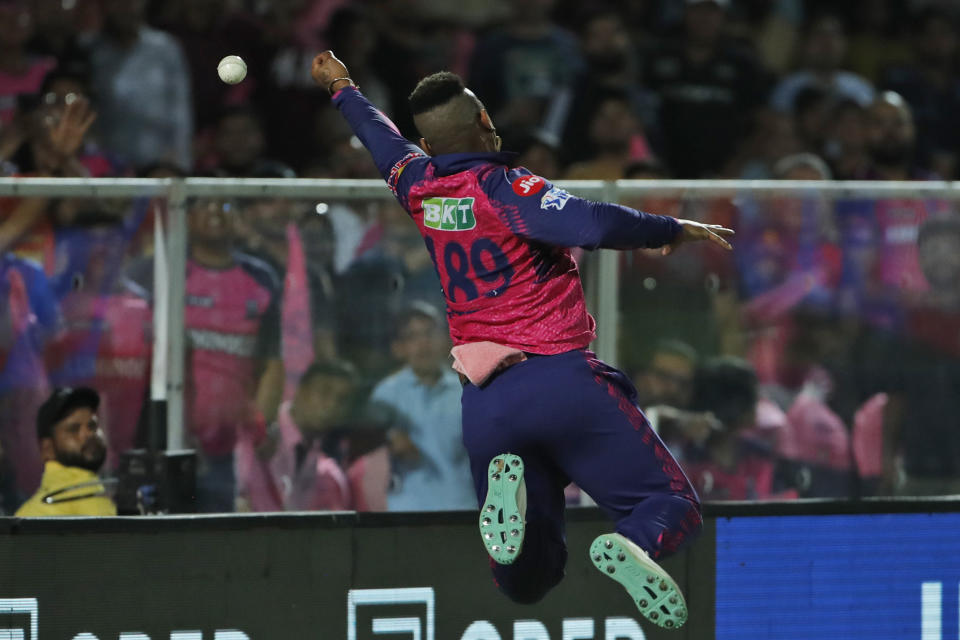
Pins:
x: 841, y: 302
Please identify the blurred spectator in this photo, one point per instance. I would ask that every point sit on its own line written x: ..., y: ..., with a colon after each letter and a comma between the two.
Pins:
x: 58, y: 32
x: 295, y: 239
x: 55, y: 143
x: 875, y: 38
x: 774, y: 136
x: 21, y: 74
x: 720, y: 462
x: 787, y: 255
x: 816, y: 454
x: 29, y: 317
x: 539, y: 153
x: 615, y: 139
x: 668, y: 378
x: 142, y: 84
x: 520, y: 67
x: 879, y: 235
x: 931, y: 87
x: 286, y: 91
x: 812, y: 108
x: 73, y: 450
x: 207, y: 30
x: 920, y: 418
x: 234, y: 371
x: 391, y: 271
x: 239, y: 144
x: 352, y: 31
x: 431, y: 464
x: 845, y: 146
x: 611, y: 71
x: 891, y: 140
x: 107, y: 336
x: 708, y: 92
x: 323, y: 459
x: 823, y: 50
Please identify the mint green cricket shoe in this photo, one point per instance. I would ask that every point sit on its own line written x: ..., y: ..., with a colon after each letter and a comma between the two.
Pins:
x: 503, y: 513
x: 656, y: 594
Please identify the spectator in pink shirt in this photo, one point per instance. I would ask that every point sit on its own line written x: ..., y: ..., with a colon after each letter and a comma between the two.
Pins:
x: 727, y: 462
x: 320, y: 456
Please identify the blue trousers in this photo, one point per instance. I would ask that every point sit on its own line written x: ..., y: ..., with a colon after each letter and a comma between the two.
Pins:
x: 573, y: 418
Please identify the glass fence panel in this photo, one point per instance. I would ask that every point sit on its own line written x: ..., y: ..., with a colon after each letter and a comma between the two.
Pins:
x: 71, y: 316
x: 821, y: 358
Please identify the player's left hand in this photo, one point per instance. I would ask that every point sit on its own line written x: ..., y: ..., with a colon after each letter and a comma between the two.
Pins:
x: 327, y: 68
x: 691, y: 231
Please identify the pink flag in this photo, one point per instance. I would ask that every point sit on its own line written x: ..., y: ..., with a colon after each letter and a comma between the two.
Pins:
x: 296, y: 326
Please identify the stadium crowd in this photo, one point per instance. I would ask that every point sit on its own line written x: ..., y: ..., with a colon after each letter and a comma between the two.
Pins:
x: 822, y: 358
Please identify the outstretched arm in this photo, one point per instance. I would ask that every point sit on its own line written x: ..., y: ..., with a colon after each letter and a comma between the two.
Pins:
x: 539, y: 211
x: 391, y: 151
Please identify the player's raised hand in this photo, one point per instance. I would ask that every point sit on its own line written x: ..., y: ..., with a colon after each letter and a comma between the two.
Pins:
x: 329, y: 72
x: 691, y: 231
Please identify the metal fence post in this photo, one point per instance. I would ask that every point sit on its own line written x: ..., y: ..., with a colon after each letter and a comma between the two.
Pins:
x: 176, y: 278
x: 607, y: 287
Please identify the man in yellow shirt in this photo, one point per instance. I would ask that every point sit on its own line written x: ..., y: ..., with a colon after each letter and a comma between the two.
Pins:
x: 73, y: 450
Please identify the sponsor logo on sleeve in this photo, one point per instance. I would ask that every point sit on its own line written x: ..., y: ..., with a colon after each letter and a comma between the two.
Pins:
x: 556, y: 198
x: 528, y: 185
x: 449, y: 214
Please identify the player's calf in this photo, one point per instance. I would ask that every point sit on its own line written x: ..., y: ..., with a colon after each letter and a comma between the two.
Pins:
x: 653, y: 590
x: 503, y: 512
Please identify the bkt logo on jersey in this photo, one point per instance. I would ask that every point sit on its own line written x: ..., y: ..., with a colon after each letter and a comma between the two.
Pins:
x: 449, y: 214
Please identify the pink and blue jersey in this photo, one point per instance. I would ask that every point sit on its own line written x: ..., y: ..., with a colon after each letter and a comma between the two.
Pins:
x: 499, y: 237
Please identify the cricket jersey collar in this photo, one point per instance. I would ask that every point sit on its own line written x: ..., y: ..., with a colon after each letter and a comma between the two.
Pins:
x: 450, y: 163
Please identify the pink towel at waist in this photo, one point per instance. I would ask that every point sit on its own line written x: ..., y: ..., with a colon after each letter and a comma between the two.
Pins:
x: 480, y: 360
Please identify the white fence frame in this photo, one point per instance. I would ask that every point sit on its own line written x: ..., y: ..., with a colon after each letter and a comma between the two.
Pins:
x: 602, y: 288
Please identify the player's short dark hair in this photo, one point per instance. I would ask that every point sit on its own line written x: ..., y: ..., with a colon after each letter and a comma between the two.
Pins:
x: 435, y: 90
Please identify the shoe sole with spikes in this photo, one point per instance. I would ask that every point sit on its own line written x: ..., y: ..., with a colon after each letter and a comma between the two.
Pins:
x: 655, y: 593
x: 503, y: 513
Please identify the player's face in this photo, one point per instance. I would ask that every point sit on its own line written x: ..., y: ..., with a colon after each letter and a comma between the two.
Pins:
x: 77, y: 441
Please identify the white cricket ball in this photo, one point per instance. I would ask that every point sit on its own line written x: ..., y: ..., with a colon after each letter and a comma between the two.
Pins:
x: 232, y: 69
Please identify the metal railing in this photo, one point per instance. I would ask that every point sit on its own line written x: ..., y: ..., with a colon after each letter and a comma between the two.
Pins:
x: 603, y: 286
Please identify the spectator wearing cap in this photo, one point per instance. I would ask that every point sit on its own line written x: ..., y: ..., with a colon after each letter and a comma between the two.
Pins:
x: 73, y: 450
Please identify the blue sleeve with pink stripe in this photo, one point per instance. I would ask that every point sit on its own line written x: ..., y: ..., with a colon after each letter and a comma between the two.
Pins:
x: 399, y: 161
x: 536, y: 210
